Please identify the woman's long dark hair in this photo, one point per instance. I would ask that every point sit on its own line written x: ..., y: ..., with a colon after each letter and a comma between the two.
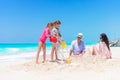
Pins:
x: 105, y: 39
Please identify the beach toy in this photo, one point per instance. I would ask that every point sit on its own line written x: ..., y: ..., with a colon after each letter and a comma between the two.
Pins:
x: 68, y: 61
x: 63, y: 45
x: 53, y: 39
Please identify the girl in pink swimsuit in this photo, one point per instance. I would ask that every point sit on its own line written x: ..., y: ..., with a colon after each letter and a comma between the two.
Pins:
x: 42, y: 41
x: 104, y: 49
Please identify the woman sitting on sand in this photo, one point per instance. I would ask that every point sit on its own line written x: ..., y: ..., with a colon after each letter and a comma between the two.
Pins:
x: 104, y: 48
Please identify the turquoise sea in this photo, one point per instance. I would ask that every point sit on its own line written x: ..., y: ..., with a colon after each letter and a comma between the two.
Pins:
x: 12, y: 52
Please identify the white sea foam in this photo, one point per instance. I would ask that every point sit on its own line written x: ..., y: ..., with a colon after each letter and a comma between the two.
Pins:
x: 15, y: 57
x: 12, y: 49
x: 25, y: 55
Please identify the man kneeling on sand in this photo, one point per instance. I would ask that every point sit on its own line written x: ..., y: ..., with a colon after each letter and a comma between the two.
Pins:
x: 77, y: 46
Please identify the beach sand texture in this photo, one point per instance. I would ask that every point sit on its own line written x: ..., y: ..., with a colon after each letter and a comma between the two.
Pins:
x: 86, y: 67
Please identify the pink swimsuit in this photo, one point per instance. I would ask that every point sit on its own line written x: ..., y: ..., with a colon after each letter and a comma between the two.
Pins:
x: 44, y: 36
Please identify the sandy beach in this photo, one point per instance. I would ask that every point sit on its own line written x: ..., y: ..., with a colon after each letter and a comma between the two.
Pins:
x: 59, y: 39
x: 86, y: 67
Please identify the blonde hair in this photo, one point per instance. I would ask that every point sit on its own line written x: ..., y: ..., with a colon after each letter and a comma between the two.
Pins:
x: 49, y: 24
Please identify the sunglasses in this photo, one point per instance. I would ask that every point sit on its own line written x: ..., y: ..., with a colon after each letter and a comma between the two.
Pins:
x: 79, y: 37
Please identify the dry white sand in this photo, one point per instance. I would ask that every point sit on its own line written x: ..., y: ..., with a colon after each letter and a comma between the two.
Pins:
x: 86, y: 67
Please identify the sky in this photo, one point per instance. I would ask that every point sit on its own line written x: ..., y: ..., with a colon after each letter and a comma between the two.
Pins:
x: 22, y: 21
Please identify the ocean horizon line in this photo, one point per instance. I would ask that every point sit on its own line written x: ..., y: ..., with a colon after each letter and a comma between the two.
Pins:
x: 46, y: 43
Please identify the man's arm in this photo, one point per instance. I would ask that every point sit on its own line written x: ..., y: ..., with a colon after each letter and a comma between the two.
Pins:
x: 83, y: 51
x: 70, y: 53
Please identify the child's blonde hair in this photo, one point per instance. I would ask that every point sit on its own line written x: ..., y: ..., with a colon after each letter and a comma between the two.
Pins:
x: 50, y: 24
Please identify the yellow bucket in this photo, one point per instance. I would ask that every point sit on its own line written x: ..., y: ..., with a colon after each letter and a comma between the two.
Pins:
x: 63, y: 45
x: 68, y: 61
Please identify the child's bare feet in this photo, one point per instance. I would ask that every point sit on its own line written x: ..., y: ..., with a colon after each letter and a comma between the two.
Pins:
x: 37, y: 62
x: 52, y: 61
x: 58, y: 59
x: 44, y: 61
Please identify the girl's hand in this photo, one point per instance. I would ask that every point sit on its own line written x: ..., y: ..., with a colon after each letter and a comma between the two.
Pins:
x: 54, y: 35
x: 49, y: 36
x: 59, y: 42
